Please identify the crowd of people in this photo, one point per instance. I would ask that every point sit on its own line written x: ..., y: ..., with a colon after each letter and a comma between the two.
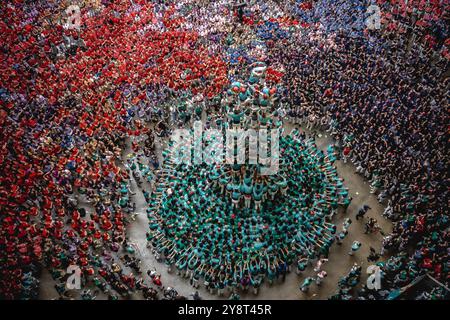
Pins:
x: 72, y: 98
x: 271, y: 222
x: 384, y: 100
x: 68, y: 109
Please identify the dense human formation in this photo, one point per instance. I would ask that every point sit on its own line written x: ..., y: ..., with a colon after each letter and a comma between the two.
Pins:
x: 232, y: 225
x: 85, y: 110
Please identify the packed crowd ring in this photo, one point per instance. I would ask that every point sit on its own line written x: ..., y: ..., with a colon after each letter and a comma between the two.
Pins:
x: 195, y: 227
